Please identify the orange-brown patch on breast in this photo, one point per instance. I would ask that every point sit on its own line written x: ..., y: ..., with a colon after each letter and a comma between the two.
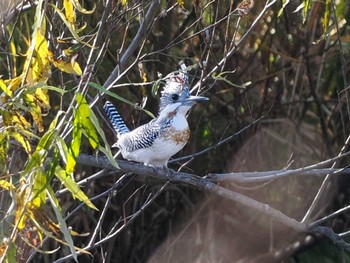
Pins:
x: 177, y: 136
x: 171, y: 114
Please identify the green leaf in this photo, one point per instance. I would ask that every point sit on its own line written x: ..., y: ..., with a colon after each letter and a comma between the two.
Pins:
x: 11, y: 253
x: 82, y: 124
x: 84, y: 112
x: 222, y: 76
x: 325, y: 19
x: 51, y: 174
x: 285, y: 3
x: 72, y: 186
x: 36, y: 161
x: 62, y: 149
x: 48, y: 138
x: 109, y: 155
x: 39, y: 193
x: 74, y: 149
x: 63, y: 227
x: 155, y: 87
x: 116, y: 96
x: 31, y: 90
x: 106, y: 150
x: 44, y: 146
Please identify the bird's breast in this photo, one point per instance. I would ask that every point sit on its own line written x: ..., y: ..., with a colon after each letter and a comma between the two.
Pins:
x: 179, y: 137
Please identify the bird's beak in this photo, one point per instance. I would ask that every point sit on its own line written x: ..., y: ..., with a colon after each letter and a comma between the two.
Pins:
x: 194, y: 99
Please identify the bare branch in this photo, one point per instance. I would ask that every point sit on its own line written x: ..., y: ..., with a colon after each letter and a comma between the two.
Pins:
x: 134, y: 44
x: 330, y: 216
x: 213, y: 147
x: 196, y: 182
x: 114, y: 231
x: 260, y: 177
x: 326, y: 180
x: 336, y: 238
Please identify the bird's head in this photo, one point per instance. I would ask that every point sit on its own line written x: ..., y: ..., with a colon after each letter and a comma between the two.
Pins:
x: 176, y: 92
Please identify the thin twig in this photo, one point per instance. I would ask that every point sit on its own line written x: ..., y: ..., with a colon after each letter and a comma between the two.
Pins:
x: 213, y: 147
x: 113, y: 232
x: 196, y: 182
x: 326, y: 181
x: 336, y: 238
x: 133, y: 45
x: 260, y: 177
x: 240, y: 42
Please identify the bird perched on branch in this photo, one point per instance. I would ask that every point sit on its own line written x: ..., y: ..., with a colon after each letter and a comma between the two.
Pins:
x: 154, y: 143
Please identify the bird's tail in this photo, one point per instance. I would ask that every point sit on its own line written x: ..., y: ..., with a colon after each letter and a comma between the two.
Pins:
x: 115, y: 118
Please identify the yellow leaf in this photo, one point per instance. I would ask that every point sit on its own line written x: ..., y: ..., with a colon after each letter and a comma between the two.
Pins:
x: 13, y: 55
x: 40, y: 69
x: 181, y: 3
x: 21, y: 203
x: 4, y: 88
x: 82, y: 9
x: 42, y: 98
x: 69, y: 26
x: 34, y: 110
x: 4, y: 143
x: 71, y: 67
x: 14, y: 83
x: 18, y: 120
x: 76, y: 67
x: 6, y: 185
x: 69, y: 10
x: 24, y: 142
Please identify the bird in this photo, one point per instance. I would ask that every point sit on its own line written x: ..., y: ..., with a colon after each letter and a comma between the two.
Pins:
x: 155, y: 142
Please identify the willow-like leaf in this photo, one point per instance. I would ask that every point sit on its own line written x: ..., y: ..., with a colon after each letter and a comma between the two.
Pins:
x: 72, y: 30
x: 325, y: 19
x: 63, y: 228
x: 69, y: 11
x: 72, y: 186
x: 84, y: 112
x: 6, y: 185
x: 116, y: 96
x: 81, y: 9
x: 22, y: 140
x: 106, y: 150
x: 39, y: 187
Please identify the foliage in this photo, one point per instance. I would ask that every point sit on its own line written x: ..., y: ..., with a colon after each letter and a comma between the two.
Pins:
x: 284, y: 61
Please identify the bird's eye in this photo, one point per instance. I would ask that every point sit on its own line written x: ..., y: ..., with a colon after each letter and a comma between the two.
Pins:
x: 175, y: 97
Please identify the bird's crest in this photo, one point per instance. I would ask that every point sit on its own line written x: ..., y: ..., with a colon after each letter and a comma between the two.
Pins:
x: 177, y: 82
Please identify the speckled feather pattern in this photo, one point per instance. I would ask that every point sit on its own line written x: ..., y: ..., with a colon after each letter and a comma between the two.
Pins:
x: 157, y: 141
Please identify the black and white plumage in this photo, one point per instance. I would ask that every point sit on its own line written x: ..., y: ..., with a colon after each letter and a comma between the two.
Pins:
x: 156, y: 142
x: 115, y: 118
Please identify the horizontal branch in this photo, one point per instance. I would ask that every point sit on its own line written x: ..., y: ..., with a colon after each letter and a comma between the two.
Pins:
x: 195, y: 181
x: 313, y: 169
x: 205, y: 184
x: 264, y: 176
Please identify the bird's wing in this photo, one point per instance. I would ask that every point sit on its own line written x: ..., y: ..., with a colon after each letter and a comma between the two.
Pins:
x: 142, y: 137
